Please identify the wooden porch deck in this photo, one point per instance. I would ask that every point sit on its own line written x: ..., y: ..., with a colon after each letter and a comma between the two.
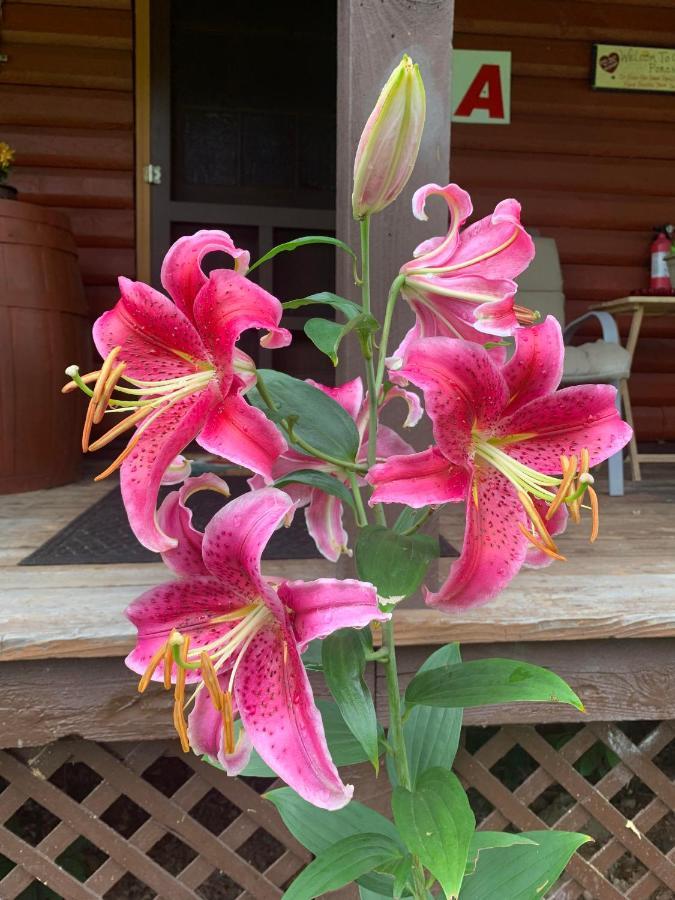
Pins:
x: 621, y: 587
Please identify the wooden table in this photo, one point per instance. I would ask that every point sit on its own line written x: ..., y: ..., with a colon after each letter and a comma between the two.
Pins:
x: 637, y: 307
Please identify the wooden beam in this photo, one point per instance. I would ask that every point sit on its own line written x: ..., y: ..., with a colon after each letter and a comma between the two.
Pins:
x: 142, y: 127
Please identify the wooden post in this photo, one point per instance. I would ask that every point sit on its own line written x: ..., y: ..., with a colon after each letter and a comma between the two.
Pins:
x: 372, y: 37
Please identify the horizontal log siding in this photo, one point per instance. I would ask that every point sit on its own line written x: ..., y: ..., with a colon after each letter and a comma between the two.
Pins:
x: 66, y: 106
x: 592, y: 169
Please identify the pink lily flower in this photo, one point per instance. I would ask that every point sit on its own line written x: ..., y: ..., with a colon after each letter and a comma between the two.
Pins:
x: 237, y: 637
x: 323, y: 512
x: 513, y: 448
x: 461, y: 285
x: 176, y: 368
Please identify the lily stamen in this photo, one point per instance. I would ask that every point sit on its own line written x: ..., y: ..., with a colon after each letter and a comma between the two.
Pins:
x: 539, y: 545
x: 568, y: 477
x: 155, y: 660
x: 180, y: 726
x: 228, y: 721
x: 595, y: 512
x: 537, y: 521
x: 210, y: 679
x: 107, y: 393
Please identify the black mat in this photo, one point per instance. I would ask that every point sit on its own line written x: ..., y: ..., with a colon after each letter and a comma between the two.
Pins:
x: 101, y: 534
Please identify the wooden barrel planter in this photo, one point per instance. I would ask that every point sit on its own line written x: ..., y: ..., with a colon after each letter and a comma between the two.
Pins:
x: 43, y: 328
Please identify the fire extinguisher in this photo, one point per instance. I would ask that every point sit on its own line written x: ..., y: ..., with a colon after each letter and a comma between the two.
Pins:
x: 660, y: 248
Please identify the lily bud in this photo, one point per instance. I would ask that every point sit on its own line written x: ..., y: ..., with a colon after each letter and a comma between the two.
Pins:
x: 390, y: 141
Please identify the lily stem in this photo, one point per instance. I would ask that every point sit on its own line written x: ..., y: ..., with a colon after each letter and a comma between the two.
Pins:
x: 394, y: 291
x: 361, y: 517
x: 373, y: 391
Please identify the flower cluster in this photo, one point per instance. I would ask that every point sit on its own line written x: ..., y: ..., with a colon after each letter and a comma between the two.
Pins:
x: 507, y: 443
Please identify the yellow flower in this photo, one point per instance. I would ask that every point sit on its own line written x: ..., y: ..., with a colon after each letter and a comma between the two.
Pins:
x: 6, y: 155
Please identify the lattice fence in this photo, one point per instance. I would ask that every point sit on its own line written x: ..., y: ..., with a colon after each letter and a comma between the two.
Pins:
x: 136, y: 821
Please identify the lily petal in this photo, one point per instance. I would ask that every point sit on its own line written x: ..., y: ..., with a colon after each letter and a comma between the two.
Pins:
x: 178, y: 470
x: 283, y: 722
x: 328, y: 604
x: 157, y: 340
x: 536, y: 367
x: 415, y: 408
x: 182, y: 275
x: 324, y: 524
x: 205, y: 733
x: 463, y: 388
x: 564, y: 423
x: 434, y: 252
x: 420, y: 479
x: 174, y: 518
x: 494, y: 548
x: 349, y: 395
x: 187, y: 605
x: 235, y: 538
x: 243, y: 434
x: 143, y: 470
x: 229, y: 304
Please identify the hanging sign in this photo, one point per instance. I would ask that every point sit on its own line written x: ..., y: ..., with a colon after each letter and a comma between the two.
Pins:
x: 481, y: 87
x: 620, y: 68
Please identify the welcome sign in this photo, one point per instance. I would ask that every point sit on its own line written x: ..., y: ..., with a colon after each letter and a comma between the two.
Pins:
x: 623, y: 68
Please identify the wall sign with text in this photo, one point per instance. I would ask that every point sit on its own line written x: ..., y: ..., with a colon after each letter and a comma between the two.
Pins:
x: 621, y: 68
x: 481, y: 87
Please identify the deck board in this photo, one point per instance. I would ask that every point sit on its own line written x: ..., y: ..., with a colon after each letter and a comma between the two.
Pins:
x: 621, y: 587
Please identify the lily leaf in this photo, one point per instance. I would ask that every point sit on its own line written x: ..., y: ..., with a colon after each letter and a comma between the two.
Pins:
x: 327, y: 335
x: 484, y: 682
x: 490, y: 840
x: 322, y: 480
x: 396, y: 564
x: 344, y: 664
x: 317, y: 419
x: 325, y: 298
x: 523, y: 872
x: 343, y: 863
x: 410, y: 519
x: 302, y: 242
x: 436, y: 824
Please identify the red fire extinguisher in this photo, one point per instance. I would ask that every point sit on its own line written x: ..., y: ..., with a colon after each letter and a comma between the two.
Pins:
x: 660, y: 248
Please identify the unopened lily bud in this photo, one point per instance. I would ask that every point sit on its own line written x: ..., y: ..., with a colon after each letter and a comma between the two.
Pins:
x: 390, y: 141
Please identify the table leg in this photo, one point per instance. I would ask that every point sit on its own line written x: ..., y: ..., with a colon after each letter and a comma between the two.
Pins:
x: 628, y: 413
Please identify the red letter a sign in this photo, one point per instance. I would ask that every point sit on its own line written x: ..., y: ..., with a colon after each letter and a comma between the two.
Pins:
x: 485, y: 92
x: 481, y: 87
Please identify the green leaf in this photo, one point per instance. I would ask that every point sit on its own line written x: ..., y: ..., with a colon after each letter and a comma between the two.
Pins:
x: 302, y: 242
x: 311, y: 658
x: 318, y: 419
x: 489, y: 840
x: 344, y: 663
x: 431, y: 733
x: 327, y: 335
x: 436, y: 824
x: 325, y: 298
x: 483, y: 682
x: 394, y: 563
x: 522, y: 872
x: 318, y: 829
x: 344, y: 748
x: 410, y: 519
x: 342, y: 864
x: 322, y: 480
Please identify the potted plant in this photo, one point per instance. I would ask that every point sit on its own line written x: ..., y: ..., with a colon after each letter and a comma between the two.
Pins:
x: 7, y: 192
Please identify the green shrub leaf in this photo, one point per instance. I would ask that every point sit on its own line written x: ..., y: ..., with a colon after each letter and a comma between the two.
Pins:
x: 396, y: 564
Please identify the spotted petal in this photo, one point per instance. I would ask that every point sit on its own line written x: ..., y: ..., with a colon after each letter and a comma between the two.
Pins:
x: 174, y: 518
x: 205, y: 733
x: 279, y: 714
x: 535, y: 369
x: 494, y: 547
x: 182, y: 275
x: 418, y: 479
x: 564, y: 423
x: 157, y: 340
x: 321, y: 607
x: 188, y: 605
x: 324, y: 524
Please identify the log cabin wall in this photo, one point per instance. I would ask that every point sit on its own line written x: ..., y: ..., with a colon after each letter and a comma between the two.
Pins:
x: 66, y: 106
x: 593, y: 169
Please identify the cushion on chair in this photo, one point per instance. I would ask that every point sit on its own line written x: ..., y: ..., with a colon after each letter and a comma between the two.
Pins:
x: 540, y: 285
x: 599, y: 361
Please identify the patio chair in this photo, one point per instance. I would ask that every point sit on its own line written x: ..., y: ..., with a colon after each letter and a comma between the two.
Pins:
x: 603, y: 361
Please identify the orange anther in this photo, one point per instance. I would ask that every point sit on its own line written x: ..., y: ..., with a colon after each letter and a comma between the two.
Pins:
x: 536, y: 519
x: 595, y: 512
x: 569, y: 468
x: 146, y: 677
x: 180, y: 726
x: 210, y: 679
x: 168, y: 665
x: 107, y: 392
x: 228, y: 721
x: 535, y: 543
x: 179, y: 693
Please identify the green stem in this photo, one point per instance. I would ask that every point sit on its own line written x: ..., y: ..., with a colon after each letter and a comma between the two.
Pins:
x: 394, y: 291
x: 361, y: 516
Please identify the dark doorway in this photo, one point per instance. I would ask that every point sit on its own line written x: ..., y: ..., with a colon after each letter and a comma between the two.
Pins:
x: 243, y: 130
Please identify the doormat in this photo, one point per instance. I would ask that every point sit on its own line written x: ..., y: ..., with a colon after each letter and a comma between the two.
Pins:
x: 101, y: 534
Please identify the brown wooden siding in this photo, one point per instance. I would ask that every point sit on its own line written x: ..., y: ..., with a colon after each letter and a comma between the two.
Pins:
x: 66, y: 106
x: 593, y: 169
